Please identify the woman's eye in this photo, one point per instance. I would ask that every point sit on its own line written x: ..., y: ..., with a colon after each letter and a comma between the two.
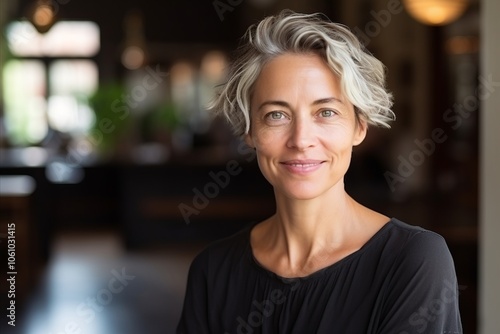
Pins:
x: 327, y: 113
x: 276, y: 115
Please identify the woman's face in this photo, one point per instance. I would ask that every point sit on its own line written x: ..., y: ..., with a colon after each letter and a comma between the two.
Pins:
x: 302, y: 127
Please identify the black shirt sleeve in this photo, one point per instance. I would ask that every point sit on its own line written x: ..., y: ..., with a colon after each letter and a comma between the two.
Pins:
x: 194, y: 318
x: 422, y: 294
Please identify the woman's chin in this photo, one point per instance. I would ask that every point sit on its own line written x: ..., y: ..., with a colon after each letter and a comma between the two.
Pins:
x: 300, y: 193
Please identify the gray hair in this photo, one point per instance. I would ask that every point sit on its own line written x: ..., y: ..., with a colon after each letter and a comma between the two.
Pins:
x: 362, y: 76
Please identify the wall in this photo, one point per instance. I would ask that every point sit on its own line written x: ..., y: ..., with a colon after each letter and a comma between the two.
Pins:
x: 489, y: 297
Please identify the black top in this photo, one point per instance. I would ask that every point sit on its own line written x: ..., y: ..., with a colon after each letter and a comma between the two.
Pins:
x: 401, y: 281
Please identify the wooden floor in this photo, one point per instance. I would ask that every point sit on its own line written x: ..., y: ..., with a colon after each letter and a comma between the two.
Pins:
x: 93, y: 286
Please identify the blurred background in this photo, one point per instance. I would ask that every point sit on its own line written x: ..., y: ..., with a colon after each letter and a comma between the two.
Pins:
x: 115, y: 175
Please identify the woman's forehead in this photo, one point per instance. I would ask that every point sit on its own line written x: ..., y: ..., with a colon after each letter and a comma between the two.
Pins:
x: 297, y: 75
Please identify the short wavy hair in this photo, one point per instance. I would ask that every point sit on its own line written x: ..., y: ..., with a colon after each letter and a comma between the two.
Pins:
x: 361, y: 75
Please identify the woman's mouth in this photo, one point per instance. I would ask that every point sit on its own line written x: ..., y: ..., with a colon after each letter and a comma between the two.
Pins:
x: 302, y: 166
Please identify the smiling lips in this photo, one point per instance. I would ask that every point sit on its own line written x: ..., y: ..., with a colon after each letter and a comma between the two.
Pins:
x: 302, y: 166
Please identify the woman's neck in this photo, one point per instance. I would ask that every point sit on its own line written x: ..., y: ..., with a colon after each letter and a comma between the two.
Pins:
x: 308, y: 222
x: 306, y: 235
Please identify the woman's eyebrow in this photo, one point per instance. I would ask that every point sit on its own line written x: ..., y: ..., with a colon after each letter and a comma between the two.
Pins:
x: 327, y: 100
x: 286, y: 105
x: 274, y: 103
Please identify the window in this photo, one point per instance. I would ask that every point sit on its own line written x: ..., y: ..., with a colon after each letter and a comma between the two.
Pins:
x: 48, y: 80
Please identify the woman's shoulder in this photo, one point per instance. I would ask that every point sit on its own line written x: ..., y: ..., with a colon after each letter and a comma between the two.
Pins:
x: 415, y: 245
x: 411, y: 234
x: 420, y: 276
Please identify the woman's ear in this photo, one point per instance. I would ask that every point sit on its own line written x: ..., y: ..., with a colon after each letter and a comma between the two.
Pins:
x: 360, y: 131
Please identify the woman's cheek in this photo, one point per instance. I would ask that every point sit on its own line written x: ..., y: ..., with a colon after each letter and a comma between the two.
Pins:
x: 265, y: 138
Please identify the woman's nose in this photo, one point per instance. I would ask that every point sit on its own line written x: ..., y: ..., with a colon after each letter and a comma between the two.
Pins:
x: 302, y: 134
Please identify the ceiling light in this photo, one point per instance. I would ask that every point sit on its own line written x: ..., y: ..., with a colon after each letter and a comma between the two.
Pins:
x: 435, y: 12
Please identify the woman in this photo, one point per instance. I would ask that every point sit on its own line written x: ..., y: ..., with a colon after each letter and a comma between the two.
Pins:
x: 302, y: 93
